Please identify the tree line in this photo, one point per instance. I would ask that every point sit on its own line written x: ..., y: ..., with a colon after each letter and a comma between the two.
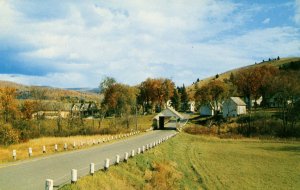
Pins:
x: 268, y: 82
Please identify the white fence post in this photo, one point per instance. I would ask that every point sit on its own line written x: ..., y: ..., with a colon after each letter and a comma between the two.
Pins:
x: 132, y: 153
x: 14, y: 154
x: 55, y: 148
x: 139, y: 151
x: 73, y: 176
x: 117, y: 159
x: 106, y: 164
x: 143, y: 149
x: 49, y: 184
x: 30, y: 151
x: 44, y: 149
x: 65, y: 146
x: 126, y: 157
x: 74, y: 144
x: 92, y: 168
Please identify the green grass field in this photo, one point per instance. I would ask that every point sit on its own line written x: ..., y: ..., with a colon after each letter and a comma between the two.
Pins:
x: 203, y: 162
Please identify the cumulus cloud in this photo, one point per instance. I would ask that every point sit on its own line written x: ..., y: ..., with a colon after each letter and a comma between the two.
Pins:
x: 76, y: 44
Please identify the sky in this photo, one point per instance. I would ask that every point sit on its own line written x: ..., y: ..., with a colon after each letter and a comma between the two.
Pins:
x: 70, y: 44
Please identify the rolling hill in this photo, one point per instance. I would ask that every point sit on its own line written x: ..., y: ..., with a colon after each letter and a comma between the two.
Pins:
x: 52, y: 93
x: 276, y: 63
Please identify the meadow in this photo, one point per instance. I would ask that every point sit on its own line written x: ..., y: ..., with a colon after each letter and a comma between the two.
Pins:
x: 205, y: 162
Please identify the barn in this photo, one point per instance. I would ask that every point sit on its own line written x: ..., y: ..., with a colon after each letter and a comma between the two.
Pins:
x: 234, y: 106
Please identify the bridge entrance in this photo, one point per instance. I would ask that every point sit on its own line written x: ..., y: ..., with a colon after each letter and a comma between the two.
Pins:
x: 160, y: 120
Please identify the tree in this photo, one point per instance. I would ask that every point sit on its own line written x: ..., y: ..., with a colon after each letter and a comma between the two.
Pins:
x: 38, y: 94
x: 287, y: 89
x: 27, y: 109
x: 184, y: 98
x: 212, y: 93
x: 175, y: 99
x: 120, y: 99
x: 8, y: 104
x: 266, y: 75
x: 247, y: 82
x: 155, y: 92
x: 106, y: 83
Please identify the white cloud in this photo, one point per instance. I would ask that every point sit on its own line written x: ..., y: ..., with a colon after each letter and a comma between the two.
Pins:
x: 266, y: 21
x: 133, y: 40
x: 297, y: 12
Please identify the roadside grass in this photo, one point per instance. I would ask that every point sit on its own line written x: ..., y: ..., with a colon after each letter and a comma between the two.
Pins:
x: 205, y: 162
x: 49, y: 142
x: 143, y: 123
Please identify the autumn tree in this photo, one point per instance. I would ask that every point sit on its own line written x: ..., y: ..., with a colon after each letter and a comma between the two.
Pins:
x: 27, y: 109
x: 38, y: 95
x: 155, y: 92
x: 255, y: 82
x: 212, y: 93
x: 8, y: 104
x: 120, y: 99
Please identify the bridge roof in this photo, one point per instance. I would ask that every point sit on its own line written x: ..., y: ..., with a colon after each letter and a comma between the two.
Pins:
x: 169, y: 112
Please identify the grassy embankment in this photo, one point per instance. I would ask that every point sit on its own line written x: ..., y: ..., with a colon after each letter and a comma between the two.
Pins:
x: 204, y: 162
x: 144, y: 122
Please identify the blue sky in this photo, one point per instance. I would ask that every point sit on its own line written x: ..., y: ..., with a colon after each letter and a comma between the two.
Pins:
x: 76, y: 43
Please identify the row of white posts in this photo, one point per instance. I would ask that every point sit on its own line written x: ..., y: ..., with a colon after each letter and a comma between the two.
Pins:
x: 81, y: 143
x: 49, y: 182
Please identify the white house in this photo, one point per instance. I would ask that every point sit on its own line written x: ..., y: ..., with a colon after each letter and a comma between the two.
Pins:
x: 233, y: 107
x: 191, y: 106
x: 209, y: 109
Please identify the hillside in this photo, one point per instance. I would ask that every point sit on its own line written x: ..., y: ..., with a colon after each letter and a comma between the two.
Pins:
x: 226, y: 75
x: 50, y: 93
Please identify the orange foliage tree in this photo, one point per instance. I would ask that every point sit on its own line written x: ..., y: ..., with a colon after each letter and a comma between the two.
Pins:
x: 8, y: 104
x: 155, y: 92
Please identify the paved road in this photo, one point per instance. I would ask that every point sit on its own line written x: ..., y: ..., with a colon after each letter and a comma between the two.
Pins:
x: 31, y: 174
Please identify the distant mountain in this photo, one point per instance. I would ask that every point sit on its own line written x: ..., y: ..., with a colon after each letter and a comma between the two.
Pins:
x: 91, y: 90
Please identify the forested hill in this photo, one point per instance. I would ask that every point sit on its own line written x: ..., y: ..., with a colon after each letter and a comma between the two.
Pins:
x: 291, y: 63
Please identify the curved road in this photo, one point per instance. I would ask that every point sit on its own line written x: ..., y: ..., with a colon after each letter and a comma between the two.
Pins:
x: 31, y: 174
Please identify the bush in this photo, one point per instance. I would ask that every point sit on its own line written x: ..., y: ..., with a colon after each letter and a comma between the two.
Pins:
x: 200, y: 130
x: 8, y: 135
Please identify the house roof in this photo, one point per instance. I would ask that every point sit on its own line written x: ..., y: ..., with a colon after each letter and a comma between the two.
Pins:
x: 169, y: 112
x: 238, y: 101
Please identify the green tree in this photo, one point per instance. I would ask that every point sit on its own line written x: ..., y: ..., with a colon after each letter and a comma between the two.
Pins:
x: 175, y: 99
x: 184, y: 98
x: 106, y: 83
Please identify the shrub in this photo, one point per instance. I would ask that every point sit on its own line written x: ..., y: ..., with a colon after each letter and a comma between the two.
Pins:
x: 8, y: 135
x: 165, y: 176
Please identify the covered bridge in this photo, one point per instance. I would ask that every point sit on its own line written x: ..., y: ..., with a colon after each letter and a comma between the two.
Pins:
x: 160, y: 119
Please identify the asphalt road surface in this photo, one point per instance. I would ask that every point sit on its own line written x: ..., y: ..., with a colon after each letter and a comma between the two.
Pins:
x: 31, y: 174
